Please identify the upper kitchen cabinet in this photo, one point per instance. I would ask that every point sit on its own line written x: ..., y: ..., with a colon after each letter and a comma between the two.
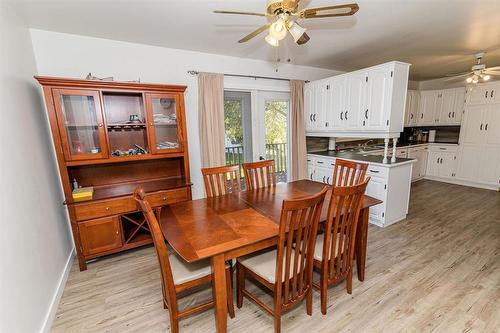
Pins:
x: 365, y: 103
x: 483, y: 93
x: 440, y: 107
x: 411, y: 111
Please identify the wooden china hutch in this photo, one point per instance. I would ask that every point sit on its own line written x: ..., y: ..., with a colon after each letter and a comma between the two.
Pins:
x: 113, y: 136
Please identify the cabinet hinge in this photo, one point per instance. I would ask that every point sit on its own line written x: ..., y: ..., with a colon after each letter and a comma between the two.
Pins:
x: 392, y: 73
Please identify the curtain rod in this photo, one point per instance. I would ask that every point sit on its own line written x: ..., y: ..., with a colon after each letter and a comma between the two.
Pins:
x: 250, y: 76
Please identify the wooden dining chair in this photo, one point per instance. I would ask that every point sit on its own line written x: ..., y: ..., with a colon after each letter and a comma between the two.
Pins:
x: 348, y: 173
x: 177, y: 275
x: 221, y: 180
x: 334, y: 249
x: 259, y: 174
x: 286, y: 270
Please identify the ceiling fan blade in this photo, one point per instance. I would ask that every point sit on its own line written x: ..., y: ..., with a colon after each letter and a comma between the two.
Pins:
x: 329, y: 11
x: 490, y: 72
x: 459, y: 74
x: 254, y: 33
x: 493, y: 68
x: 303, y: 39
x: 238, y: 13
x: 290, y: 5
x: 457, y: 77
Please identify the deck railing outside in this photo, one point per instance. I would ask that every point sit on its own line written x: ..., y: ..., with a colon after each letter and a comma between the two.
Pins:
x: 274, y: 151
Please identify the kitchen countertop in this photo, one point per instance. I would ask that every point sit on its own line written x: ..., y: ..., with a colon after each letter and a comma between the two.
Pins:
x: 363, y: 157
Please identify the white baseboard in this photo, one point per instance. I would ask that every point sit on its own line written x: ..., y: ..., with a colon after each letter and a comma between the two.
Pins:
x: 463, y: 183
x: 54, y: 304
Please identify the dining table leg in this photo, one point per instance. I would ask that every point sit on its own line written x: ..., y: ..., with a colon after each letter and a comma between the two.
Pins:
x: 361, y: 242
x: 220, y: 295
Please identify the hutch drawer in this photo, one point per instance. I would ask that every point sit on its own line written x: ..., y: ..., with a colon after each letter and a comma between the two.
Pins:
x: 93, y: 210
x: 167, y: 197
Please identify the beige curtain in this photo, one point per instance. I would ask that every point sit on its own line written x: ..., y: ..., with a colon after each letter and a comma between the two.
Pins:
x: 298, y: 132
x: 211, y: 119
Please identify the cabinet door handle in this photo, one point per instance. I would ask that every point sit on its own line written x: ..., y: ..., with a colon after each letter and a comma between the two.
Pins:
x: 323, y: 179
x: 437, y: 161
x: 314, y: 117
x: 411, y: 115
x: 481, y: 127
x: 341, y: 113
x: 366, y: 113
x: 107, y: 208
x: 491, y: 93
x: 449, y: 114
x: 421, y: 116
x: 326, y: 124
x: 453, y: 114
x: 319, y: 162
x: 442, y: 148
x: 486, y: 127
x: 346, y: 115
x: 328, y: 180
x: 374, y: 171
x: 486, y: 94
x: 310, y: 117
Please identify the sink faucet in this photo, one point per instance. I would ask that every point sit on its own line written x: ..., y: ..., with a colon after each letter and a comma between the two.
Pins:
x: 366, y: 143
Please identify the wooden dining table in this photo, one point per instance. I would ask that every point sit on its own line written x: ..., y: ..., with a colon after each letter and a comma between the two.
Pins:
x: 230, y: 226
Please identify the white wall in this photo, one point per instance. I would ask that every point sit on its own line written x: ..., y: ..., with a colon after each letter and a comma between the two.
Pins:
x: 35, y: 242
x: 66, y: 55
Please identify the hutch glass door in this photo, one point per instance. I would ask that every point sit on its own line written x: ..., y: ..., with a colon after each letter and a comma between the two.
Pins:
x: 163, y: 122
x: 81, y: 124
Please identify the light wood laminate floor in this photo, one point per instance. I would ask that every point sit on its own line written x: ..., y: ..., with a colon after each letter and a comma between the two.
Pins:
x: 437, y: 271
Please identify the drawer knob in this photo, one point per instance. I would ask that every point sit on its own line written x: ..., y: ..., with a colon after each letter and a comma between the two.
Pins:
x: 107, y: 208
x: 164, y: 198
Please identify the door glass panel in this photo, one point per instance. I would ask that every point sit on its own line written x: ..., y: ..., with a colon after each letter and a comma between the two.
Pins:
x: 165, y: 123
x: 276, y: 120
x: 80, y: 121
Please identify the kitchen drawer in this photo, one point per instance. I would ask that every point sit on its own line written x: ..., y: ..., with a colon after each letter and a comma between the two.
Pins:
x: 167, y: 197
x: 311, y: 159
x: 92, y: 210
x: 444, y: 148
x: 402, y: 152
x: 323, y: 162
x: 376, y: 171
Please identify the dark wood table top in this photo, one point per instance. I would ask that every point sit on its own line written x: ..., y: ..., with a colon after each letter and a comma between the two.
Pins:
x: 200, y: 229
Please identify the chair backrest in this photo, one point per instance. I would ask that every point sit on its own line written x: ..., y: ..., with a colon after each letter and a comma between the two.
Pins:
x: 348, y: 173
x: 221, y: 180
x: 340, y: 230
x: 259, y: 174
x: 297, y: 238
x: 167, y: 280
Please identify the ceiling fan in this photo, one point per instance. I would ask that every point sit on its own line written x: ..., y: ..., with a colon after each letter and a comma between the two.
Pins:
x: 479, y: 71
x: 284, y: 15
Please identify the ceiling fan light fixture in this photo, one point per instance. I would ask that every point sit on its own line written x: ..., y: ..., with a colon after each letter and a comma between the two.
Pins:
x: 296, y: 30
x: 486, y: 77
x: 272, y: 41
x: 469, y: 80
x: 278, y: 29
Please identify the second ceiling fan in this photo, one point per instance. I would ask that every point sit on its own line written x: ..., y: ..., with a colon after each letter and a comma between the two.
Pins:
x: 285, y: 14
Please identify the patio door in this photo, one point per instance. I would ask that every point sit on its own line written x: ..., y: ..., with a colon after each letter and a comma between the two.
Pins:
x: 273, y: 130
x: 257, y: 128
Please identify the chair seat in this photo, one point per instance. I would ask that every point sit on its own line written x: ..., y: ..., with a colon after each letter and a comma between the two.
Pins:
x: 183, y: 271
x: 264, y: 265
x: 318, y: 248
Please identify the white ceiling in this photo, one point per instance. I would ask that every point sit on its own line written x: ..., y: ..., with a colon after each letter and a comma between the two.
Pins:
x: 436, y: 36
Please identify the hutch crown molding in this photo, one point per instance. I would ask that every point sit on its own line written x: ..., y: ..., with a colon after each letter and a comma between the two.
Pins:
x: 113, y: 136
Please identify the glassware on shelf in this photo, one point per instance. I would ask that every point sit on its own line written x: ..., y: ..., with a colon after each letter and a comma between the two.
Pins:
x: 164, y: 112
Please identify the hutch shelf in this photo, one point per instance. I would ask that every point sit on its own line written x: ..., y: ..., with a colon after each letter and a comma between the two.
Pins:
x: 113, y: 136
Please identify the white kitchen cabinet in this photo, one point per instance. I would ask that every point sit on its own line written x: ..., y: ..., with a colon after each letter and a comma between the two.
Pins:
x: 481, y: 124
x: 483, y: 93
x: 365, y: 103
x: 442, y: 161
x: 411, y: 112
x: 419, y: 154
x: 469, y: 159
x: 376, y: 188
x: 427, y: 107
x: 444, y: 112
x: 479, y: 163
x: 458, y: 106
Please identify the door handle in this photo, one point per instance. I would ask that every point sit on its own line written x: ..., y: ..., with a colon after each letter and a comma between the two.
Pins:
x: 314, y: 117
x: 328, y: 180
x: 481, y: 127
x: 491, y: 93
x: 323, y: 179
x: 421, y: 116
x: 310, y: 117
x: 486, y: 127
x: 366, y: 113
x: 453, y: 114
x: 449, y: 114
x: 437, y: 161
x: 486, y: 94
x: 341, y: 113
x: 411, y: 115
x: 346, y: 115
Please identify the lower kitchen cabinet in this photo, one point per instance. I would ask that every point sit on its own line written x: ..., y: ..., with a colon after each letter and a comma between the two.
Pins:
x: 419, y: 154
x: 100, y: 235
x: 389, y: 183
x: 479, y: 164
x: 441, y: 164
